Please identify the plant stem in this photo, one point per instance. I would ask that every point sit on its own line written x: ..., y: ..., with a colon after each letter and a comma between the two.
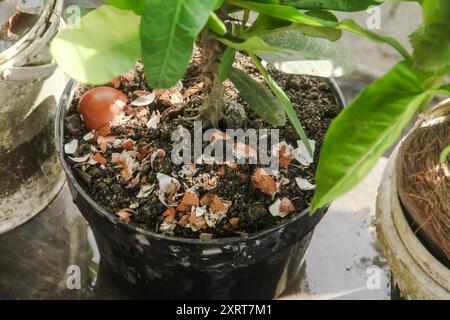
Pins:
x: 288, y: 108
x: 213, y: 89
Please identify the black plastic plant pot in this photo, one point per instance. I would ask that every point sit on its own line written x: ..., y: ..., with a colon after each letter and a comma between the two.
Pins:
x: 257, y: 266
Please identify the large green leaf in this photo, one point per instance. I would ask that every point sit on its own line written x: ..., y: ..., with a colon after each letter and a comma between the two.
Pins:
x: 106, y: 45
x: 289, y: 13
x: 338, y: 5
x: 169, y: 30
x: 299, y: 54
x: 371, y: 123
x: 259, y: 98
x: 431, y: 41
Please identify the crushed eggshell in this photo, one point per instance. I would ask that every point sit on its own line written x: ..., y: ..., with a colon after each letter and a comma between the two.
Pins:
x: 128, y: 144
x: 71, y: 147
x: 218, y: 135
x: 281, y: 208
x: 167, y: 227
x: 286, y: 206
x: 145, y: 100
x: 158, y: 154
x: 182, y: 207
x: 99, y: 159
x: 103, y: 147
x: 145, y: 191
x: 184, y: 220
x: 188, y: 170
x: 274, y: 208
x: 304, y: 184
x: 285, y: 155
x: 125, y: 174
x: 170, y: 97
x: 140, y: 93
x: 131, y: 164
x: 243, y: 151
x: 154, y: 120
x: 89, y: 136
x: 125, y: 214
x: 200, y: 211
x: 190, y: 199
x: 168, y: 187
x: 301, y: 153
x: 197, y: 223
x: 212, y: 219
x: 218, y: 205
x: 205, y: 200
x: 81, y: 159
x: 264, y: 182
x: 210, y: 184
x: 117, y: 143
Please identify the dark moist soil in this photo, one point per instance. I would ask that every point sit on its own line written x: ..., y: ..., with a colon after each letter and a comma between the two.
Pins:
x: 313, y: 99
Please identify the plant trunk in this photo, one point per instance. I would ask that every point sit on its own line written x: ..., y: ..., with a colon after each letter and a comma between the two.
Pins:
x: 213, y: 89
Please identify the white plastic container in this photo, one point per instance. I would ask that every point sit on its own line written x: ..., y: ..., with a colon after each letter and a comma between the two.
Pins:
x: 30, y: 86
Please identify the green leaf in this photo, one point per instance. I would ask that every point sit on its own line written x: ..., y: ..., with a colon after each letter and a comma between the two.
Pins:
x: 444, y: 155
x: 216, y: 25
x: 291, y: 14
x: 287, y: 105
x: 226, y: 63
x: 329, y: 33
x: 106, y: 45
x: 299, y: 54
x: 431, y: 42
x: 258, y: 97
x: 137, y: 6
x: 361, y: 133
x: 338, y: 5
x: 265, y: 22
x: 252, y: 43
x: 169, y: 30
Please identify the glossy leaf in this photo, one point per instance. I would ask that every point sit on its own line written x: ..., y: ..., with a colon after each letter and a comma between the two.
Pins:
x: 289, y: 13
x: 338, y: 5
x: 368, y: 126
x: 299, y: 54
x: 169, y: 30
x: 89, y: 58
x: 258, y: 97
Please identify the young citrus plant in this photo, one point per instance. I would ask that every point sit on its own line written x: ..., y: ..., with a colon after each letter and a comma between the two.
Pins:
x: 293, y: 36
